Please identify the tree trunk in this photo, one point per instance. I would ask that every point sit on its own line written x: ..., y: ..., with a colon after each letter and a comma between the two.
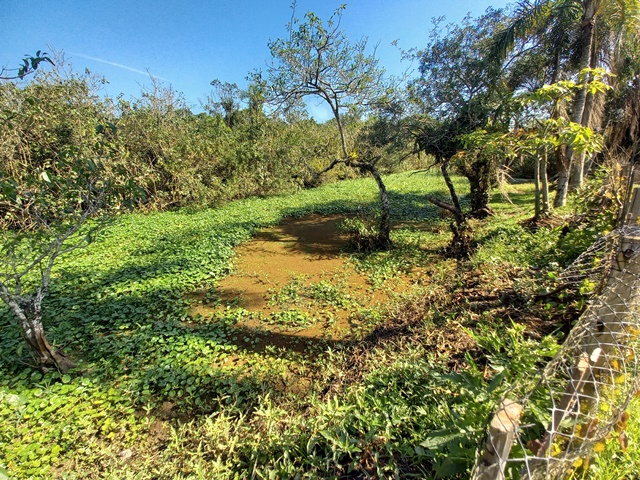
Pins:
x: 586, y: 41
x: 335, y: 108
x: 457, y: 210
x: 546, y: 209
x: 562, y: 188
x: 479, y: 195
x: 478, y: 175
x: 590, y: 118
x: 29, y: 313
x: 384, y: 234
x: 536, y: 175
x: 384, y: 228
x: 577, y: 171
x: 461, y: 244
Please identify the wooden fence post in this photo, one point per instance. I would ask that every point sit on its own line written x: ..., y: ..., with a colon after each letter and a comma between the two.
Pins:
x: 631, y: 209
x: 502, y: 432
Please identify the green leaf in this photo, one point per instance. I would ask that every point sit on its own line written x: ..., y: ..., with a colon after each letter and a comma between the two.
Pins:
x: 450, y: 467
x: 439, y: 438
x: 496, y: 381
x: 16, y: 400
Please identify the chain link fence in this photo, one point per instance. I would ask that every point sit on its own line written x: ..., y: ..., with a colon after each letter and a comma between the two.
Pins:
x: 580, y: 398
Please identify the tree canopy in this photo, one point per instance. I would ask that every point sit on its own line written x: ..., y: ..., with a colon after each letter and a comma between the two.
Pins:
x: 317, y: 59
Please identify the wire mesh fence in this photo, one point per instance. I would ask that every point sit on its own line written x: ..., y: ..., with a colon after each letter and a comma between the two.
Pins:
x: 554, y: 424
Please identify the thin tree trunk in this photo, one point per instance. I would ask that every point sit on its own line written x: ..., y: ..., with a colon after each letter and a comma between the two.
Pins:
x: 461, y: 244
x: 590, y: 118
x: 384, y: 237
x: 335, y: 107
x: 563, y: 185
x: 580, y: 169
x: 577, y: 171
x: 29, y: 313
x: 41, y: 349
x: 458, y: 215
x: 545, y: 185
x: 384, y: 228
x: 575, y: 162
x: 536, y: 175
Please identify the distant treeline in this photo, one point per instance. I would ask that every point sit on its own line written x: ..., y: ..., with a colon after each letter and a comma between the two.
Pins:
x: 175, y: 157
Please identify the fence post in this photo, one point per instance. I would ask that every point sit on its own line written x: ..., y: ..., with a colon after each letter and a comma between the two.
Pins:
x: 631, y: 209
x: 502, y: 432
x: 581, y: 375
x: 620, y: 301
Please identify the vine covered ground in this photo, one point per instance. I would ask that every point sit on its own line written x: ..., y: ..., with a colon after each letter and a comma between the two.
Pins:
x: 373, y: 365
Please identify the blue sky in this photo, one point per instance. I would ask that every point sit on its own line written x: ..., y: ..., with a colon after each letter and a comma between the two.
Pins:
x: 188, y: 43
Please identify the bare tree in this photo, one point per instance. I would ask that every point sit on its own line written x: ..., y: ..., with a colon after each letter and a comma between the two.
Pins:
x: 50, y: 220
x: 48, y: 209
x: 318, y: 60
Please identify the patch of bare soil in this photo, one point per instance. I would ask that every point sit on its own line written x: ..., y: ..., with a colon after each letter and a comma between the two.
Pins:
x: 296, y: 280
x: 548, y: 221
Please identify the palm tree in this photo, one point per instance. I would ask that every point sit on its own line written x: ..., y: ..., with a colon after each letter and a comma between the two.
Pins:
x: 576, y: 30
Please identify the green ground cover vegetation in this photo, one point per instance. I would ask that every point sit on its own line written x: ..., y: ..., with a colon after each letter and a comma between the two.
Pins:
x: 155, y: 394
x: 119, y: 217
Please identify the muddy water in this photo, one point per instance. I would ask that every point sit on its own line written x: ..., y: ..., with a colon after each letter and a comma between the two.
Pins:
x: 306, y: 250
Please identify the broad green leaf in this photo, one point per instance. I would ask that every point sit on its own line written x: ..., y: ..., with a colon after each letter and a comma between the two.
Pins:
x: 437, y: 439
x: 16, y: 400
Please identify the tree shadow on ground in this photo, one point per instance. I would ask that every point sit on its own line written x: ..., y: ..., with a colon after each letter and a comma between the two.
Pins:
x: 105, y: 318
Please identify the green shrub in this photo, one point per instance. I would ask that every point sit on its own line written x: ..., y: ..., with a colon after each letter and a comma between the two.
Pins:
x: 363, y: 232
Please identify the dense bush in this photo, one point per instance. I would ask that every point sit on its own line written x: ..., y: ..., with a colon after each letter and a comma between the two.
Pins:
x: 176, y: 157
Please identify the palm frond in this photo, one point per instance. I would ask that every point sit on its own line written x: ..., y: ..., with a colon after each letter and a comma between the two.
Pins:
x: 568, y: 8
x: 528, y: 18
x: 623, y: 16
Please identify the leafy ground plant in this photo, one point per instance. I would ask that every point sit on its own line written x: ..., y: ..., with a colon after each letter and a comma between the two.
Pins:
x: 120, y: 310
x: 159, y: 393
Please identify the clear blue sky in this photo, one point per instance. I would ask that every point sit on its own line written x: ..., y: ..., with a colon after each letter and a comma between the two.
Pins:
x: 188, y: 43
